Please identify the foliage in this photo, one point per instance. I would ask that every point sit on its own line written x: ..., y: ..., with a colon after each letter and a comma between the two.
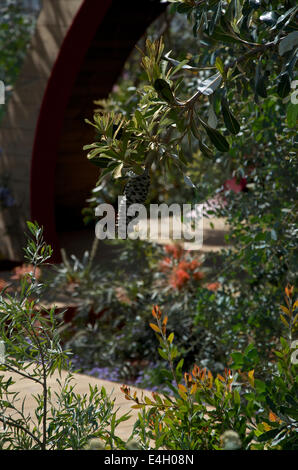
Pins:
x: 242, y: 47
x: 204, y: 412
x: 30, y: 334
x: 219, y: 107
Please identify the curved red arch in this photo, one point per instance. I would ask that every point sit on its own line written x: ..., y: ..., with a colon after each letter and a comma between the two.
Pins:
x: 50, y: 121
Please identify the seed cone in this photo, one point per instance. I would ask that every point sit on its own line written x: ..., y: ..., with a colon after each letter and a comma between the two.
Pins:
x: 135, y: 192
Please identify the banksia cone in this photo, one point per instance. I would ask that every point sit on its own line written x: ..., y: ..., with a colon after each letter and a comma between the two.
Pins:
x: 135, y: 192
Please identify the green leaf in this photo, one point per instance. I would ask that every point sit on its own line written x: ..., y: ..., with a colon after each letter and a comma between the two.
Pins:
x: 117, y: 172
x: 260, y: 79
x: 171, y: 337
x: 230, y: 121
x: 100, y: 162
x: 188, y: 181
x: 208, y: 86
x: 220, y: 66
x: 288, y: 43
x: 236, y: 397
x: 292, y: 114
x: 269, y: 18
x: 164, y: 90
x: 163, y: 354
x: 218, y: 140
x: 205, y: 150
x: 284, y: 85
x: 215, y: 18
x: 266, y: 436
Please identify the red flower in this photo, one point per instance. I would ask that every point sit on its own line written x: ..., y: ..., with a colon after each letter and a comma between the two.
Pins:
x: 179, y: 278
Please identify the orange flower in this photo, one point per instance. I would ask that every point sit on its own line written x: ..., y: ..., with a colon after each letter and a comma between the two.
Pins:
x: 183, y: 265
x: 213, y: 286
x: 23, y: 270
x: 194, y: 264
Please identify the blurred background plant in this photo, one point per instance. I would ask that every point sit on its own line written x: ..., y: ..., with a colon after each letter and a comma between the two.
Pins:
x: 17, y: 23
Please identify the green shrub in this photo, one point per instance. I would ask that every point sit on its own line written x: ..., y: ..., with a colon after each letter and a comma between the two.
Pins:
x: 232, y: 410
x: 30, y: 334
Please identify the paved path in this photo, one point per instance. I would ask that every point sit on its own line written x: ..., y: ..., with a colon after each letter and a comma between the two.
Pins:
x: 27, y: 388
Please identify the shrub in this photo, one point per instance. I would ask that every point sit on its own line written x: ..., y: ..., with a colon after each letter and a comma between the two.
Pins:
x: 233, y: 410
x: 30, y: 334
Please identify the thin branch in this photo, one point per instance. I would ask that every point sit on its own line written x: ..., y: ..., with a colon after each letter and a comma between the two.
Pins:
x: 11, y: 422
x: 23, y: 374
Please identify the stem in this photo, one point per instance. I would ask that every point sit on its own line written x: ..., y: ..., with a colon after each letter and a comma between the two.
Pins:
x: 23, y: 374
x: 92, y: 253
x: 11, y: 422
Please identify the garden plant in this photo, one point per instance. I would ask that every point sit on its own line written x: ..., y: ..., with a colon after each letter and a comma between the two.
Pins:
x: 209, y: 117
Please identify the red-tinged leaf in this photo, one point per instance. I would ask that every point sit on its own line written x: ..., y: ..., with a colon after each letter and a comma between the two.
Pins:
x: 193, y: 389
x: 154, y: 327
x: 148, y: 401
x: 165, y: 321
x: 220, y: 377
x: 272, y: 417
x: 285, y: 310
x: 251, y: 378
x: 289, y: 291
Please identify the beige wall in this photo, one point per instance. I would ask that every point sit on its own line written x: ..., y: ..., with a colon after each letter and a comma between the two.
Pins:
x: 18, y: 126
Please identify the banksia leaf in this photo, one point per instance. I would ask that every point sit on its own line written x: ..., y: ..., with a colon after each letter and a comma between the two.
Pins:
x: 164, y: 91
x: 230, y: 121
x: 284, y: 85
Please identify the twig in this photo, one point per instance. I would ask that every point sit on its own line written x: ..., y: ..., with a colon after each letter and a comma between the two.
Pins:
x: 11, y: 422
